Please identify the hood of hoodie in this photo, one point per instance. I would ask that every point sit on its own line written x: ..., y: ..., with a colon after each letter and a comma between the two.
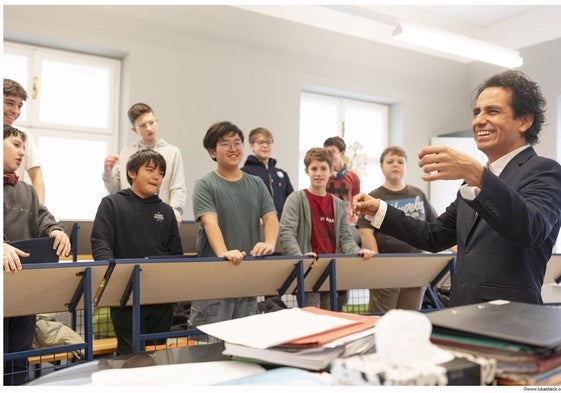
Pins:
x: 253, y: 160
x: 128, y: 193
x: 159, y: 143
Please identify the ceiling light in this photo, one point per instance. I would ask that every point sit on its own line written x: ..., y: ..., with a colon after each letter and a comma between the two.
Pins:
x: 459, y: 45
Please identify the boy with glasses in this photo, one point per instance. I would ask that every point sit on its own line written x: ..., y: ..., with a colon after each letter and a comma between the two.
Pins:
x: 230, y: 204
x: 261, y: 164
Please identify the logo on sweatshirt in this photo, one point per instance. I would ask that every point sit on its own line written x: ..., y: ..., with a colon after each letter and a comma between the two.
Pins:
x: 413, y: 207
x: 158, y: 217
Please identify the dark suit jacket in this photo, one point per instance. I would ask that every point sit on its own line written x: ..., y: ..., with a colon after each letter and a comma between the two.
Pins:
x: 503, y: 250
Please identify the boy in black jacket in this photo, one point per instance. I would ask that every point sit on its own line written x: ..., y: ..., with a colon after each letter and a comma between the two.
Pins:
x: 135, y: 223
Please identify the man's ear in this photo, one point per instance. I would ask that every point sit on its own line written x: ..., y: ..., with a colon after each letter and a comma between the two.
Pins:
x: 133, y: 129
x: 526, y: 121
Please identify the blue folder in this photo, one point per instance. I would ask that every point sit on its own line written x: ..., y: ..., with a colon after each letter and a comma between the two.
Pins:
x: 40, y: 250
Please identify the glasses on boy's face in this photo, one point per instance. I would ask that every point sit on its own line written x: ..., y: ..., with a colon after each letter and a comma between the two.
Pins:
x: 238, y: 145
x: 264, y: 142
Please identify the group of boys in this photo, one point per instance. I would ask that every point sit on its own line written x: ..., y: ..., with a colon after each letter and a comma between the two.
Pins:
x: 152, y: 204
x: 314, y: 221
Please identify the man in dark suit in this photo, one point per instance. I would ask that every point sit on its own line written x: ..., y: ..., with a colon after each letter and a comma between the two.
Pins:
x: 507, y: 214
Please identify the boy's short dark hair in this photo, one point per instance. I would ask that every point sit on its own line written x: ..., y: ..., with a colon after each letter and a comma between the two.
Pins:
x: 13, y: 88
x: 319, y: 154
x: 336, y: 141
x: 260, y: 130
x: 145, y: 157
x: 138, y: 110
x: 11, y: 131
x: 218, y: 131
x: 396, y: 150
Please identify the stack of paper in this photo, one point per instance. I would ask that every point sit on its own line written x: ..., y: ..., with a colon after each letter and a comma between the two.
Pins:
x: 308, y: 338
x: 523, y: 339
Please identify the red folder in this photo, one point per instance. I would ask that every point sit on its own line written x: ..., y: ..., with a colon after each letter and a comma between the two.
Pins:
x: 362, y: 322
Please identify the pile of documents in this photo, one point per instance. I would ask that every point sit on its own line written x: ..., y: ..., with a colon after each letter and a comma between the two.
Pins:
x: 405, y: 356
x: 308, y: 338
x: 523, y: 339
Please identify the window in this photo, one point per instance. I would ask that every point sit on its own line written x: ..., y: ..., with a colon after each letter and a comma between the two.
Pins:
x: 363, y: 126
x: 72, y: 114
x: 442, y: 193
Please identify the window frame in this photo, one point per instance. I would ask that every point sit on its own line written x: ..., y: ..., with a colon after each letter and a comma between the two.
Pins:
x: 341, y: 103
x: 29, y: 121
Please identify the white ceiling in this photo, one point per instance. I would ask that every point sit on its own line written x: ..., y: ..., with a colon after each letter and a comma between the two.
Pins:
x: 511, y: 26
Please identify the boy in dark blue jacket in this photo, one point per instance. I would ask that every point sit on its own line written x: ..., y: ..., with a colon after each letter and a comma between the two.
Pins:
x: 261, y: 164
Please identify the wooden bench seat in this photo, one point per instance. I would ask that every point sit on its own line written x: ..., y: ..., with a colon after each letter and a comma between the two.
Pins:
x: 172, y: 343
x: 104, y: 346
x: 50, y: 358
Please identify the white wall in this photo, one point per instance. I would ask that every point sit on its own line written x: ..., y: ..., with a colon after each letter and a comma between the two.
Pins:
x: 196, y: 65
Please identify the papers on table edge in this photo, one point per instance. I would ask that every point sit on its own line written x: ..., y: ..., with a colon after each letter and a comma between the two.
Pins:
x: 308, y: 338
x: 289, y: 326
x: 317, y: 358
